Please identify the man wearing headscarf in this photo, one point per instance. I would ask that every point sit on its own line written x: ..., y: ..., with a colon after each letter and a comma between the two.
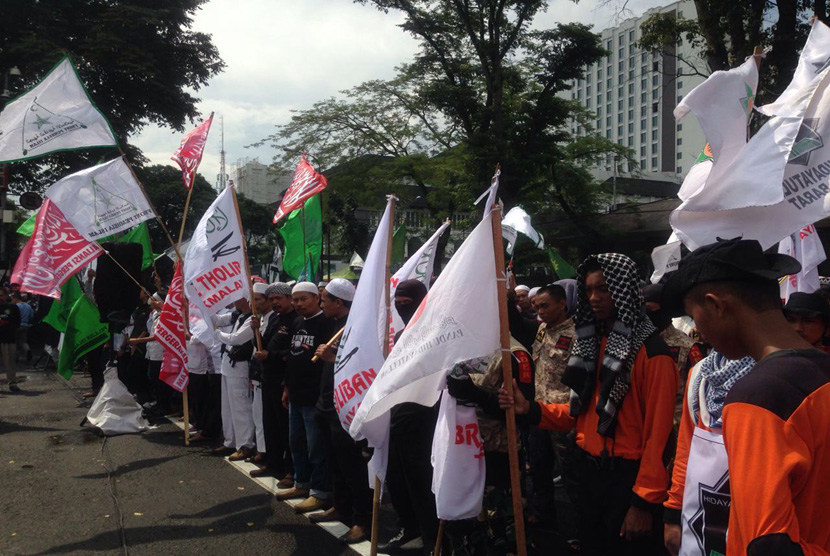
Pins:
x: 624, y: 382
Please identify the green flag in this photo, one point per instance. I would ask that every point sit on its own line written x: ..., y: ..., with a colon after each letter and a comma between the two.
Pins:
x: 28, y: 227
x: 398, y: 244
x: 59, y: 311
x: 292, y: 233
x: 141, y: 235
x: 84, y: 332
x: 561, y: 266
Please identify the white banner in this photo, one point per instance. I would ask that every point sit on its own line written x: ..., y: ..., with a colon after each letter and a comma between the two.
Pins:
x: 214, y: 265
x: 360, y: 355
x: 451, y: 326
x: 419, y: 267
x: 518, y: 221
x: 56, y: 115
x: 101, y: 200
x: 665, y: 259
x: 805, y: 246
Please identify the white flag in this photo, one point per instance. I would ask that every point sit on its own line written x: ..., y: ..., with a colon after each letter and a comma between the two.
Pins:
x: 101, y: 200
x: 450, y: 327
x: 214, y: 265
x: 805, y: 246
x: 665, y: 259
x: 360, y: 354
x: 56, y: 115
x: 491, y: 193
x: 419, y: 267
x: 518, y: 221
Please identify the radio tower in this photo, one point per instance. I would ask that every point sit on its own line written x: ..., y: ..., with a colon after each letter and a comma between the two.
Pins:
x: 222, y: 177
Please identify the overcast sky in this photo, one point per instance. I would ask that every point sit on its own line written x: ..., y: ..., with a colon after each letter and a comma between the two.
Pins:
x: 284, y: 55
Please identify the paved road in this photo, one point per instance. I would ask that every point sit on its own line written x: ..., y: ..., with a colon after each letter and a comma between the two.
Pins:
x: 66, y: 490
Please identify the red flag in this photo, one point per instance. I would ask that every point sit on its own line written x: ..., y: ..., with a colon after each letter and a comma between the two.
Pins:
x: 306, y: 183
x: 55, y: 252
x: 169, y: 332
x: 189, y: 154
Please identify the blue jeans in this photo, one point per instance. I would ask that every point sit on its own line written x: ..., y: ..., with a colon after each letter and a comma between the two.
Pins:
x: 308, y: 449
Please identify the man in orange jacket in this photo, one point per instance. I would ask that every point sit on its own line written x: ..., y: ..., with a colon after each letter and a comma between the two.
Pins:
x: 624, y: 381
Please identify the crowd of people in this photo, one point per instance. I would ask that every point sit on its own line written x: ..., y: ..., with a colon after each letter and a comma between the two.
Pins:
x: 668, y: 413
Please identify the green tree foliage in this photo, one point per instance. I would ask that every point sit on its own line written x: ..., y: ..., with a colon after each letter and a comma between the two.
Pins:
x: 483, y: 89
x: 140, y: 60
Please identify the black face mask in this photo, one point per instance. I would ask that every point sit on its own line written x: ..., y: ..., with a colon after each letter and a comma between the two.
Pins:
x: 659, y: 318
x: 406, y: 311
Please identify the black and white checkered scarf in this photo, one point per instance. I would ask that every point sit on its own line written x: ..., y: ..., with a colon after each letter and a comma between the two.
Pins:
x: 629, y: 331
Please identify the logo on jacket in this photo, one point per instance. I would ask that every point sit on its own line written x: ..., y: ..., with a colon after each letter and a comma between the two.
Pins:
x: 710, y: 522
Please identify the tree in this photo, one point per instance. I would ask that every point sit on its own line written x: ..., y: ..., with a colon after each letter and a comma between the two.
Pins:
x: 484, y: 88
x: 140, y: 60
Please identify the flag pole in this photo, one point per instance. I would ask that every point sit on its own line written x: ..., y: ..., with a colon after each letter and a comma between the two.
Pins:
x: 376, y: 495
x: 305, y: 249
x: 127, y: 272
x: 507, y: 376
x: 247, y: 265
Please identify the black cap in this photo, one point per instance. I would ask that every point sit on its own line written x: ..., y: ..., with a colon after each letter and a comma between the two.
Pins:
x: 729, y: 260
x: 808, y: 305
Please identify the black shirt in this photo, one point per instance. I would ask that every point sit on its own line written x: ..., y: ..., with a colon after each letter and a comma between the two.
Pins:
x: 273, y: 370
x: 9, y: 322
x: 326, y: 401
x: 302, y: 377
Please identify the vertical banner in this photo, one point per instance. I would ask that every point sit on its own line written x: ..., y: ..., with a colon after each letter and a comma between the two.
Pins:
x: 169, y: 332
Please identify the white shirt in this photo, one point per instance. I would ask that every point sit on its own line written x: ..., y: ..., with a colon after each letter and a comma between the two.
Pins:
x: 242, y: 333
x: 155, y: 351
x: 198, y: 357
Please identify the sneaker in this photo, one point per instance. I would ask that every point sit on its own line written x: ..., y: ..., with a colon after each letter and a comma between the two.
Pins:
x: 358, y: 533
x: 292, y: 494
x: 13, y: 387
x: 393, y: 545
x: 286, y: 482
x: 327, y: 516
x: 312, y: 504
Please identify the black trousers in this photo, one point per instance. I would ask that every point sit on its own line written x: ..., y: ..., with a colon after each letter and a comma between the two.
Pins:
x: 550, y: 453
x: 348, y: 472
x: 161, y: 391
x: 409, y: 475
x: 275, y: 428
x: 603, y: 500
x: 137, y: 382
x: 96, y: 363
x: 211, y: 411
x: 197, y: 398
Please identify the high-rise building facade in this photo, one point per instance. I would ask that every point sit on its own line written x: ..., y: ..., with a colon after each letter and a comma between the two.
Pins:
x: 633, y: 94
x: 254, y: 181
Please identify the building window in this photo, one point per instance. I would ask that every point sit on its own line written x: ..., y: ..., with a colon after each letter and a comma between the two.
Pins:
x: 679, y: 84
x: 680, y: 169
x: 599, y: 123
x: 631, y: 115
x: 588, y: 102
x: 655, y: 66
x: 620, y: 53
x: 631, y: 49
x: 654, y: 121
x: 630, y: 102
x: 621, y: 66
x: 643, y: 126
x: 643, y: 150
x: 599, y: 112
x: 620, y: 104
x: 608, y: 45
x: 643, y: 83
x: 655, y: 80
x: 608, y: 82
x: 679, y: 156
x: 619, y: 118
x: 620, y: 79
x: 654, y: 135
x: 654, y: 94
x: 631, y: 88
x: 588, y: 90
x: 630, y: 141
x: 679, y: 98
x: 599, y: 74
x: 679, y: 127
x: 599, y: 86
x: 608, y: 120
x: 655, y: 107
x: 599, y: 99
x: 643, y: 98
x: 643, y: 138
x: 620, y: 40
x: 654, y: 148
x: 644, y: 57
x: 679, y: 141
x: 654, y: 162
x: 631, y: 74
x: 608, y: 134
x: 630, y: 127
x: 631, y: 36
x: 588, y: 78
x: 642, y: 163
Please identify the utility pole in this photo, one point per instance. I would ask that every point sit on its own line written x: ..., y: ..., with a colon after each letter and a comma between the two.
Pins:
x: 222, y: 178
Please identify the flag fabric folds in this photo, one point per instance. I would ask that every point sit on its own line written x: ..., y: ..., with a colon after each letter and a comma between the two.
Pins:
x: 300, y: 256
x: 515, y: 222
x: 101, y: 200
x: 805, y: 246
x: 84, y: 332
x: 56, y: 115
x: 189, y: 154
x: 307, y: 182
x: 562, y: 267
x: 665, y: 259
x: 55, y: 252
x: 169, y: 332
x: 361, y: 352
x: 141, y: 235
x: 28, y: 226
x: 59, y: 311
x: 214, y: 264
x: 449, y: 328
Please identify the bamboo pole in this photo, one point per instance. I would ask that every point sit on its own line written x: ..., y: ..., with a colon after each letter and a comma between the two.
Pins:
x: 507, y: 376
x: 438, y: 543
x: 247, y: 266
x: 330, y: 343
x: 376, y: 495
x: 185, y: 402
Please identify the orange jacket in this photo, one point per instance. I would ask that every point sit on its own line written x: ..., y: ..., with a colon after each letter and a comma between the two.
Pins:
x: 644, y: 419
x: 776, y: 428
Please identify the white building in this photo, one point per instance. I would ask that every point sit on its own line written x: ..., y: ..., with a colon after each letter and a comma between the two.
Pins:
x: 254, y: 180
x: 633, y: 94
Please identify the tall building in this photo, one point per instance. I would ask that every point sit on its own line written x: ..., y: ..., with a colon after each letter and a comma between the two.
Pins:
x: 633, y: 94
x: 254, y: 180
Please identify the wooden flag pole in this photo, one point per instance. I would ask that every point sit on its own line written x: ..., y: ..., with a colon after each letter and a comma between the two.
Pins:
x: 185, y: 402
x: 247, y: 266
x: 330, y: 343
x: 127, y: 272
x: 507, y: 376
x: 305, y: 249
x: 376, y: 495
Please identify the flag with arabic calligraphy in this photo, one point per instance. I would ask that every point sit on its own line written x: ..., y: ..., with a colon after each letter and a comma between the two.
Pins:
x: 169, y: 332
x: 189, y: 154
x: 307, y: 182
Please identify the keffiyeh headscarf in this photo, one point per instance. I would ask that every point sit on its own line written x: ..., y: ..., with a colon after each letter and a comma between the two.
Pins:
x: 627, y: 334
x: 716, y: 376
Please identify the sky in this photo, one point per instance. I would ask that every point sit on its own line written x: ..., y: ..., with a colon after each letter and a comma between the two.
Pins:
x: 284, y: 55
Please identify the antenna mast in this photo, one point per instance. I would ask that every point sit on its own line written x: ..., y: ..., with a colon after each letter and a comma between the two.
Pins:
x: 222, y: 177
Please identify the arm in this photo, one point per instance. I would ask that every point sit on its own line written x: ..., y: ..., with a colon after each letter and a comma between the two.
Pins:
x: 760, y: 474
x: 674, y: 504
x: 238, y: 337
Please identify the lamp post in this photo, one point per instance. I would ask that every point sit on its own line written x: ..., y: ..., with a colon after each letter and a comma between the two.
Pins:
x: 4, y: 256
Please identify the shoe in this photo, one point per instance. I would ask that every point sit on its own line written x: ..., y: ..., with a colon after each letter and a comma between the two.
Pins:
x: 258, y: 459
x: 393, y: 545
x: 292, y: 494
x: 312, y: 504
x: 286, y: 482
x: 261, y: 472
x: 222, y: 451
x: 199, y: 437
x: 415, y: 545
x: 558, y: 482
x: 358, y: 533
x: 13, y: 387
x: 88, y: 394
x: 327, y: 516
x: 240, y: 454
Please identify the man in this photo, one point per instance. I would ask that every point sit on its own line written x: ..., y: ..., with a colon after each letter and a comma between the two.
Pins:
x: 9, y: 323
x: 272, y: 358
x: 685, y: 351
x: 775, y: 418
x: 352, y: 502
x: 808, y: 314
x: 237, y: 416
x: 263, y: 322
x: 624, y: 382
x: 310, y: 329
x: 154, y: 355
x: 547, y: 449
x: 409, y: 472
x: 523, y: 301
x: 27, y: 319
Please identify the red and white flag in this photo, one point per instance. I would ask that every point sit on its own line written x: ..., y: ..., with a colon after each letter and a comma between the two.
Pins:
x: 169, y: 332
x: 189, y: 154
x: 307, y: 182
x: 54, y: 252
x: 805, y: 246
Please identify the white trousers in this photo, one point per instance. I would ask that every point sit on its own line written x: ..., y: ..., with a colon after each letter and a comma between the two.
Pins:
x: 237, y: 419
x: 256, y: 408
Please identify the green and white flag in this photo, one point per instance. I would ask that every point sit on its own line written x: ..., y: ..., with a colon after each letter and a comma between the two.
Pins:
x: 84, y: 332
x: 56, y: 115
x: 59, y: 311
x: 302, y: 259
x: 101, y: 200
x: 28, y: 227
